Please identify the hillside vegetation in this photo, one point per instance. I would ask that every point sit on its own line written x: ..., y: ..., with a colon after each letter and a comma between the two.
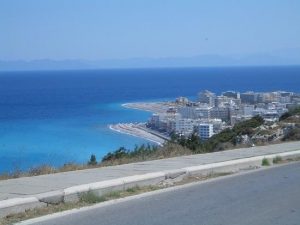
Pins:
x: 293, y: 119
x: 228, y: 138
x: 180, y: 145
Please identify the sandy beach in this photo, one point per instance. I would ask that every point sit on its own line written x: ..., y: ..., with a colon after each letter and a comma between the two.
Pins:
x: 137, y: 130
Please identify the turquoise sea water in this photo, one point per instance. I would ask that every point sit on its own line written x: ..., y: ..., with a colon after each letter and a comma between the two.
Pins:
x: 54, y: 117
x: 27, y: 143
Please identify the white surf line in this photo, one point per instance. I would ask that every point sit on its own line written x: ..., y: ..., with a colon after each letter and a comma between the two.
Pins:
x: 140, y: 135
x: 143, y: 106
x: 122, y: 131
x: 129, y: 106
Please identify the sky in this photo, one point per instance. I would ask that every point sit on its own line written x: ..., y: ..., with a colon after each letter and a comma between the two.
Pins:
x: 122, y: 29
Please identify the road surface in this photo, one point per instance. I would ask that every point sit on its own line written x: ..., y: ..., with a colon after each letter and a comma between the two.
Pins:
x: 264, y: 197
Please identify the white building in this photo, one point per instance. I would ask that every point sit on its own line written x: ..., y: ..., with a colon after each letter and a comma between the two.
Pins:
x: 187, y: 112
x: 203, y: 112
x: 164, y: 122
x: 222, y: 113
x: 267, y: 115
x: 184, y: 126
x: 231, y: 94
x: 218, y: 125
x: 154, y: 121
x: 205, y: 131
x: 182, y: 100
x: 249, y: 97
x: 207, y: 97
x: 247, y: 110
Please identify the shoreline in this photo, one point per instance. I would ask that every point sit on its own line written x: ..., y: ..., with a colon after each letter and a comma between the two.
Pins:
x: 136, y: 130
x: 154, y: 107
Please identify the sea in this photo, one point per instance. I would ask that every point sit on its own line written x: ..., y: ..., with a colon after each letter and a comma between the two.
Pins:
x: 57, y: 117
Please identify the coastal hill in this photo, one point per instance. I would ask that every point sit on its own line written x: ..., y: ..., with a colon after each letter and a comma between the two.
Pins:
x: 248, y: 133
x: 276, y: 58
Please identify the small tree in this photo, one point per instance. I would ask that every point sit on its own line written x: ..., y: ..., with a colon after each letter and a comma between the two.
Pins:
x: 93, y: 160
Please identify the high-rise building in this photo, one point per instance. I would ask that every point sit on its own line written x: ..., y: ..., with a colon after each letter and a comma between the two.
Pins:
x: 232, y: 94
x: 187, y: 112
x: 184, y: 126
x: 247, y: 110
x: 207, y: 97
x: 205, y: 131
x: 203, y: 112
x: 222, y: 113
x: 249, y: 97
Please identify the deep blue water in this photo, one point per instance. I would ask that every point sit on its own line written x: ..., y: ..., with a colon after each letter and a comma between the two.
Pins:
x: 53, y: 117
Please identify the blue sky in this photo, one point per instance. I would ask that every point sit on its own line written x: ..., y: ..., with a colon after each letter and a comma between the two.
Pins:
x: 120, y: 29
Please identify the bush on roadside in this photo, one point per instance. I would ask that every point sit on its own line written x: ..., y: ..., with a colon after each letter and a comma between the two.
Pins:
x: 265, y: 162
x: 91, y: 198
x: 144, y: 153
x: 93, y: 160
x: 277, y: 160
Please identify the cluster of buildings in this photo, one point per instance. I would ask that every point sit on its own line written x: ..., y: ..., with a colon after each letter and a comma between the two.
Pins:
x: 210, y: 113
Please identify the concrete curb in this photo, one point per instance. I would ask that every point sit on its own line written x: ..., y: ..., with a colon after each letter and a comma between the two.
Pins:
x: 238, y: 164
x: 72, y: 194
x: 16, y: 205
x: 53, y: 197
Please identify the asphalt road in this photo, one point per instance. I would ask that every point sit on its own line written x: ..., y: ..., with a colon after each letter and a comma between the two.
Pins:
x: 265, y: 197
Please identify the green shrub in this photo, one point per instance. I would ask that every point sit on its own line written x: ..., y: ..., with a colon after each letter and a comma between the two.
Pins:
x: 113, y: 195
x: 93, y: 160
x: 91, y: 198
x: 292, y: 135
x: 133, y: 189
x: 143, y: 152
x: 277, y: 159
x: 291, y: 112
x: 265, y: 162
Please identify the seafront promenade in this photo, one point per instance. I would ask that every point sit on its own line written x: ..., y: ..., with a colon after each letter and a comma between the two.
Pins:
x: 21, y: 193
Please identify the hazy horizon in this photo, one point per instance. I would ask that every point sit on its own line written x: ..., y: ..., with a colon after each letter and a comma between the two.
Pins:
x: 280, y: 58
x: 157, y: 33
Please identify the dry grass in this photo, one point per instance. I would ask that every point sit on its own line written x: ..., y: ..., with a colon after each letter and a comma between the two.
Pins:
x: 43, y: 170
x: 167, y: 151
x: 192, y: 179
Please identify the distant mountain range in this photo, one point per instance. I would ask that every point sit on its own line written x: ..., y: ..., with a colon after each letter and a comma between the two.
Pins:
x: 282, y: 57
